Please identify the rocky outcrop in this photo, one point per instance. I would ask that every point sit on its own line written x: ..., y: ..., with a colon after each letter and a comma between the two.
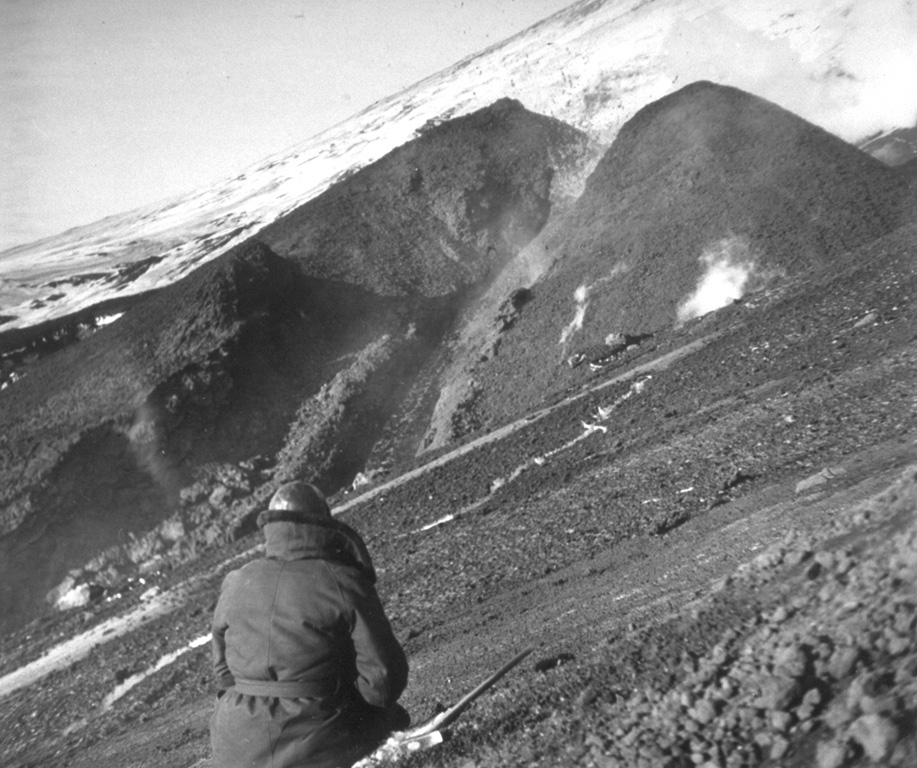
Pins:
x: 443, y: 212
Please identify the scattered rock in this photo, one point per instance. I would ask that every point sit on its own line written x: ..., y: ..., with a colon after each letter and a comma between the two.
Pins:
x: 779, y: 748
x: 193, y: 494
x: 703, y: 712
x: 551, y: 662
x: 781, y: 720
x: 78, y: 596
x: 792, y: 661
x: 172, y: 529
x: 830, y: 754
x: 819, y: 479
x: 842, y: 661
x: 868, y: 319
x: 825, y: 559
x: 777, y: 693
x: 255, y: 464
x: 220, y: 497
x: 150, y: 593
x: 779, y: 615
x: 876, y: 734
x: 798, y: 556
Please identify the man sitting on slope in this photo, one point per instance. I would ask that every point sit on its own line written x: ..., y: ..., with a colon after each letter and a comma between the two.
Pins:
x: 309, y: 666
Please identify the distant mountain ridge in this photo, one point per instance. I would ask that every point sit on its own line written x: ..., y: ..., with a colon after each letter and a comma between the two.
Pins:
x: 592, y: 65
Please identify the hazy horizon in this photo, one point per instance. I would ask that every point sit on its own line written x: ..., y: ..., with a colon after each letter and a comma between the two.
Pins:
x: 116, y: 104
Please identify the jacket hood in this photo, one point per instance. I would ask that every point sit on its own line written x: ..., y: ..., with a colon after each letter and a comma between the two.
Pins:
x: 320, y: 538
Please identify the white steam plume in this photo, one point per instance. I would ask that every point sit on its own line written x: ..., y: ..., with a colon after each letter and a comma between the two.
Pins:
x: 581, y: 302
x: 581, y: 297
x: 867, y: 84
x: 146, y: 445
x: 729, y: 269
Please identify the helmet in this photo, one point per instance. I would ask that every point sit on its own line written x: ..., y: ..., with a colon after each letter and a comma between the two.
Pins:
x: 299, y: 497
x: 295, y: 502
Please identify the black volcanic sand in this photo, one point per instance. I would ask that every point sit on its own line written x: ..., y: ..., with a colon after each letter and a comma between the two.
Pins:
x: 696, y: 537
x: 630, y: 586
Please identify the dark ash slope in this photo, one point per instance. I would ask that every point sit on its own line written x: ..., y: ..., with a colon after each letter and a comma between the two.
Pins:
x: 706, y: 175
x: 267, y: 363
x: 440, y: 213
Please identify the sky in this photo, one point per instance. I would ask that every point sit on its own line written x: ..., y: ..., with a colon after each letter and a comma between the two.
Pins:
x: 108, y: 105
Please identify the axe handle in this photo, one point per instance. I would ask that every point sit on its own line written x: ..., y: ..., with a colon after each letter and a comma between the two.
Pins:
x: 444, y: 718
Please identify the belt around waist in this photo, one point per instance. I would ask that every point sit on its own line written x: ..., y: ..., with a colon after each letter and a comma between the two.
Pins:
x: 287, y: 689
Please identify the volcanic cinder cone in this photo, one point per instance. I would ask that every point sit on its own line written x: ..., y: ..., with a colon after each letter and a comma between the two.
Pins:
x: 705, y: 195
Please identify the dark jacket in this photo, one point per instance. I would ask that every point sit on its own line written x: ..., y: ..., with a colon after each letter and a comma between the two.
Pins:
x: 303, y: 647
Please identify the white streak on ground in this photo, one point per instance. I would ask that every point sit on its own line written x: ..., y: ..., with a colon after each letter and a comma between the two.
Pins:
x: 68, y: 653
x: 540, y: 460
x: 77, y: 648
x: 135, y: 680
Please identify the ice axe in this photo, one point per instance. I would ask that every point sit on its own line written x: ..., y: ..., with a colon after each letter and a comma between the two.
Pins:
x: 429, y: 733
x: 448, y: 716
